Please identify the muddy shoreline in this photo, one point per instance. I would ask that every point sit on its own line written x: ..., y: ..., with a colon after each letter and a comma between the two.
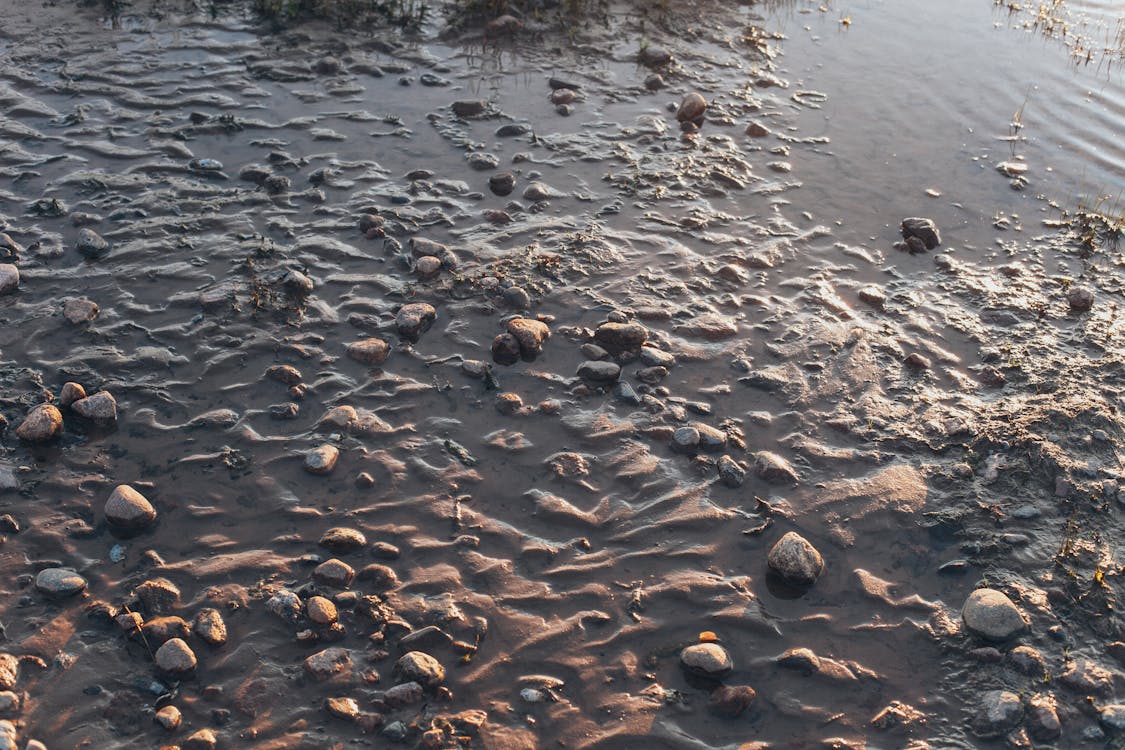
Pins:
x: 468, y: 391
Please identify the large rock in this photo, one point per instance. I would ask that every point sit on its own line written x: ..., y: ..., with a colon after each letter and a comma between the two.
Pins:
x: 42, y: 424
x: 101, y: 408
x: 795, y: 560
x: 9, y: 278
x: 128, y: 509
x: 990, y: 614
x: 999, y: 713
x: 707, y: 660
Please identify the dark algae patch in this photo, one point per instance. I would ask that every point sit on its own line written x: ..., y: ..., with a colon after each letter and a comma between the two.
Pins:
x: 574, y: 375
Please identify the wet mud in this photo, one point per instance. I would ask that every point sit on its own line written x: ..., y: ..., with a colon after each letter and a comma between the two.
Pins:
x: 488, y: 389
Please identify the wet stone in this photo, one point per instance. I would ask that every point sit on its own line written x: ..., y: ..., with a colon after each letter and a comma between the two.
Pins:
x: 469, y: 107
x: 342, y: 708
x: 406, y: 694
x: 508, y: 403
x: 335, y: 573
x: 80, y: 310
x: 169, y: 718
x: 9, y: 703
x: 128, y: 509
x: 209, y: 627
x: 530, y: 334
x: 286, y: 605
x: 321, y: 611
x: 42, y: 424
x: 9, y: 278
x: 175, y: 658
x: 795, y: 560
x: 369, y: 351
x: 284, y: 374
x: 379, y: 577
x: 91, y: 245
x: 385, y: 551
x: 1080, y: 298
x: 415, y: 319
x: 69, y: 393
x: 654, y: 82
x: 342, y: 539
x: 513, y: 129
x: 1084, y: 677
x: 999, y: 713
x: 428, y: 266
x: 9, y: 738
x: 599, y: 372
x: 1027, y: 660
x: 654, y: 56
x: 621, y: 336
x: 1043, y: 718
x: 801, y: 660
x: 420, y: 667
x: 100, y: 408
x: 921, y: 229
x: 757, y: 130
x: 160, y: 630
x: 706, y: 660
x: 59, y: 582
x: 538, y: 191
x: 594, y: 352
x: 506, y: 349
x: 990, y: 614
x: 483, y: 162
x: 685, y: 440
x: 731, y: 472
x: 1112, y: 718
x: 328, y: 663
x: 426, y: 639
x: 9, y: 671
x: 773, y: 468
x: 731, y: 701
x: 204, y: 739
x: 322, y: 460
x: 711, y: 440
x: 986, y: 655
x: 157, y: 595
x: 517, y: 298
x: 654, y: 357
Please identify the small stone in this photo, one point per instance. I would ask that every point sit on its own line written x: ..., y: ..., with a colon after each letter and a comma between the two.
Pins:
x: 1027, y: 660
x: 1000, y: 712
x: 470, y: 107
x: 654, y: 56
x: 69, y: 393
x: 654, y: 82
x: 506, y: 349
x: 508, y: 403
x: 538, y: 191
x: 385, y: 551
x: 380, y: 577
x: 517, y: 298
x: 415, y: 319
x: 923, y: 229
x: 773, y: 468
x: 9, y: 703
x: 691, y: 108
x: 502, y: 183
x: 9, y: 738
x: 916, y: 361
x: 59, y: 582
x: 80, y: 310
x: 342, y: 708
x: 427, y: 639
x: 990, y: 614
x: 9, y: 278
x: 621, y: 336
x: 873, y: 295
x: 335, y: 573
x: 128, y: 509
x: 91, y: 245
x: 169, y: 718
x: 100, y: 408
x: 711, y: 440
x: 284, y: 374
x: 428, y: 266
x: 369, y: 352
x: 757, y: 130
x: 276, y: 184
x: 328, y: 65
x: 342, y: 539
x: 157, y: 595
x: 420, y: 667
x: 9, y: 671
x: 795, y: 560
x: 599, y: 372
x: 707, y: 660
x: 406, y: 694
x: 209, y: 627
x: 322, y: 460
x: 654, y: 357
x: 1043, y: 718
x: 160, y: 630
x: 42, y: 424
x: 731, y: 701
x: 685, y: 440
x: 731, y: 472
x: 1080, y: 298
x: 321, y: 611
x: 286, y: 605
x: 531, y: 335
x: 328, y: 663
x: 176, y: 658
x: 801, y: 660
x: 204, y: 739
x: 1112, y: 718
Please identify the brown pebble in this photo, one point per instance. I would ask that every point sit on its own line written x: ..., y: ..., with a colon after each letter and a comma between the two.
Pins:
x: 176, y: 658
x: 732, y: 700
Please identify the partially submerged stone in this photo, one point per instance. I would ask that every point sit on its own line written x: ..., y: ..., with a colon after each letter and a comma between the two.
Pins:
x: 128, y: 509
x: 59, y: 582
x: 795, y: 560
x: 990, y: 614
x: 370, y: 352
x: 42, y: 424
x: 322, y: 459
x: 707, y: 660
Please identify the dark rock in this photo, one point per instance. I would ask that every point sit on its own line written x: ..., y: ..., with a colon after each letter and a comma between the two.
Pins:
x: 506, y: 349
x: 801, y: 660
x: 757, y: 130
x: 421, y: 668
x: 80, y: 310
x: 999, y: 713
x: 334, y: 573
x: 599, y: 372
x: 731, y: 472
x: 1080, y: 298
x: 160, y: 630
x: 773, y: 468
x: 795, y: 560
x: 1043, y: 718
x: 415, y: 319
x: 1027, y: 660
x: 342, y: 539
x: 9, y: 278
x: 502, y: 184
x: 204, y: 739
x: 59, y: 582
x: 1085, y: 677
x: 328, y: 663
x: 621, y: 336
x: 209, y: 627
x: 381, y: 578
x: 285, y: 374
x: 731, y: 701
x: 530, y: 334
x: 685, y: 440
x: 371, y: 352
x: 692, y: 107
x: 469, y: 107
x: 128, y: 509
x: 157, y: 595
x: 653, y: 56
x: 92, y: 245
x: 922, y: 229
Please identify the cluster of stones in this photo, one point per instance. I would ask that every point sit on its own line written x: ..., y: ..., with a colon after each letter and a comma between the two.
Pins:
x: 44, y: 422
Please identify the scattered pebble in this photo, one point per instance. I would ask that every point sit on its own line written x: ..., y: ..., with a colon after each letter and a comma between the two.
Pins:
x: 707, y: 660
x: 795, y: 560
x: 322, y: 459
x: 128, y: 509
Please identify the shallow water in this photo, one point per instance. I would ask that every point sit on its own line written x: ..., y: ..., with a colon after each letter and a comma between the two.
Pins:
x: 590, y: 549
